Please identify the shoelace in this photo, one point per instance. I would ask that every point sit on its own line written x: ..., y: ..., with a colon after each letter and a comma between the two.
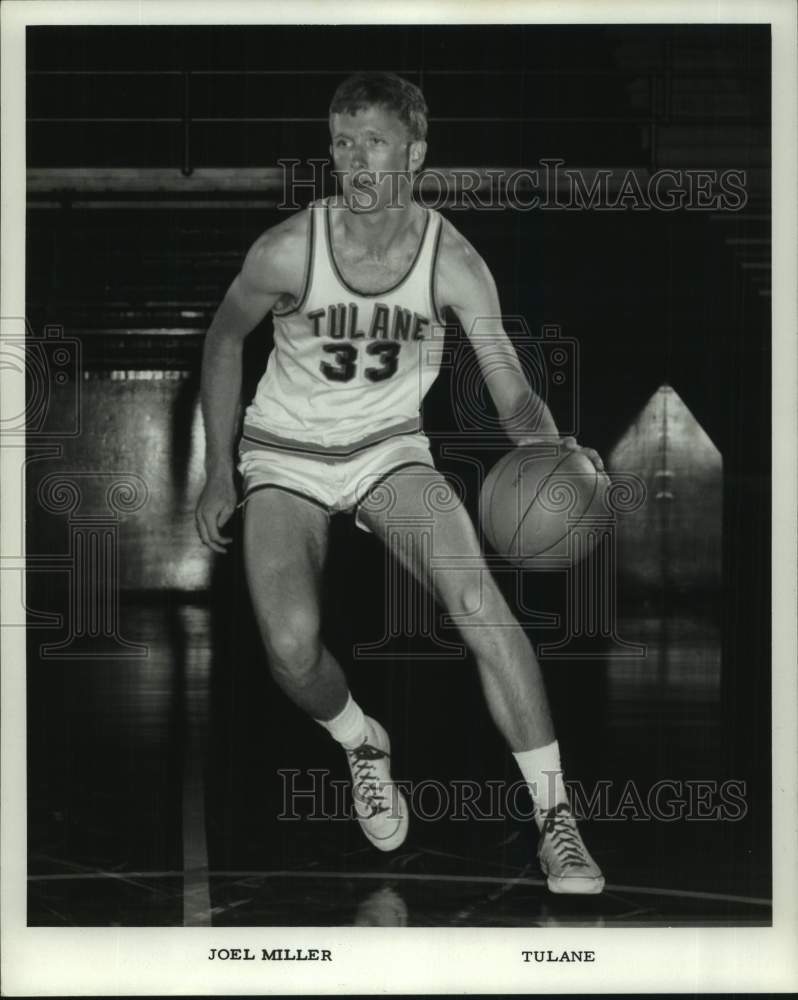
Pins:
x: 366, y: 784
x: 568, y: 847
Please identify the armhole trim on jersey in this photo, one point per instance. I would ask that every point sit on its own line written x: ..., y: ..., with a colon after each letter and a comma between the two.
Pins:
x: 383, y: 291
x: 310, y: 252
x: 432, y: 272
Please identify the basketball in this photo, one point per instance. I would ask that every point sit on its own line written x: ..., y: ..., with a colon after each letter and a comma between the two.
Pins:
x: 531, y: 503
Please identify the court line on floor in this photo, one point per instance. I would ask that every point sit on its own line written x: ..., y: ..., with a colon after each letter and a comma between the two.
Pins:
x: 412, y: 877
x: 492, y: 897
x: 196, y: 886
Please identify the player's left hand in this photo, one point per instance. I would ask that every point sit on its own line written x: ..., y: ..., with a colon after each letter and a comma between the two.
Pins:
x: 571, y: 444
x: 568, y: 444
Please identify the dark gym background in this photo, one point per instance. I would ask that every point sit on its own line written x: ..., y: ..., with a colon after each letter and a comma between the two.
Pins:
x: 155, y: 733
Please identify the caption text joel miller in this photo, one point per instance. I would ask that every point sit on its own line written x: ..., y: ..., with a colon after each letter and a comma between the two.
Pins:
x: 270, y: 955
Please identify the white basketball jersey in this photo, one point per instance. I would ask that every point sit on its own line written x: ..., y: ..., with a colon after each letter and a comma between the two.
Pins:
x: 348, y: 368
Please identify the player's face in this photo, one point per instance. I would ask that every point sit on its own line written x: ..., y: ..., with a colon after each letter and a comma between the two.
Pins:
x: 373, y: 156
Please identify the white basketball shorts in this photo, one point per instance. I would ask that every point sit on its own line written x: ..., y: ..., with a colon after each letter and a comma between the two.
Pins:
x: 333, y: 483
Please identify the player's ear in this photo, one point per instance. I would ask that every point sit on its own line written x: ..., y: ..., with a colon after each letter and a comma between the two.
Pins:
x: 417, y: 152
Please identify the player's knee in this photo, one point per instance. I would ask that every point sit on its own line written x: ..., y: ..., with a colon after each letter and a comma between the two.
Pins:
x: 469, y: 599
x: 294, y: 644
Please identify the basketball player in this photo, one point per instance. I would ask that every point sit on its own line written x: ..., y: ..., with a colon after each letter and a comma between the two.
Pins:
x: 355, y: 284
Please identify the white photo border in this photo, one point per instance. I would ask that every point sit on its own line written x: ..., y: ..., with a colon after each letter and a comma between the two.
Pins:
x: 164, y: 960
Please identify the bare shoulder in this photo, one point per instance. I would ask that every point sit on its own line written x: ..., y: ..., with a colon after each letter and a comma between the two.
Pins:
x: 275, y: 263
x: 461, y: 271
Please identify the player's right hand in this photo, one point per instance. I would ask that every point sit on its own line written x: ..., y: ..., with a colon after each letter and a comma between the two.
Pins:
x: 215, y: 507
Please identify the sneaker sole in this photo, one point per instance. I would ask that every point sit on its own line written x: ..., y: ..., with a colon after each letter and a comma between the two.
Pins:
x: 575, y: 886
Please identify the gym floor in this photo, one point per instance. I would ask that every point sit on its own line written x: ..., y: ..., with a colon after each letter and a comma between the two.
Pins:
x: 158, y: 783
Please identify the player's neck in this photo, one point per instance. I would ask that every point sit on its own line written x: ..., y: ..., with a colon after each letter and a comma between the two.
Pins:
x: 376, y: 231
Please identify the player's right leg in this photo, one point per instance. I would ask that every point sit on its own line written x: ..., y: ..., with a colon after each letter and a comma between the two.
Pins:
x: 285, y: 545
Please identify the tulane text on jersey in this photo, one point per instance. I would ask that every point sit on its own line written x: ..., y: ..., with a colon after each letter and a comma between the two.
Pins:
x: 341, y: 322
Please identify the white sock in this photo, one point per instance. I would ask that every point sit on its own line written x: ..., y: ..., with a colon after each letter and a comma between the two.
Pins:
x: 349, y: 727
x: 542, y: 771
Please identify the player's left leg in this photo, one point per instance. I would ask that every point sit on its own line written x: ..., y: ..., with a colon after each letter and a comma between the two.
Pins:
x: 452, y: 566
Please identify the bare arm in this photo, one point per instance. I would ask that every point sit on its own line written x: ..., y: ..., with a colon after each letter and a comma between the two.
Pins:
x: 243, y: 307
x: 467, y: 286
x: 269, y: 271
